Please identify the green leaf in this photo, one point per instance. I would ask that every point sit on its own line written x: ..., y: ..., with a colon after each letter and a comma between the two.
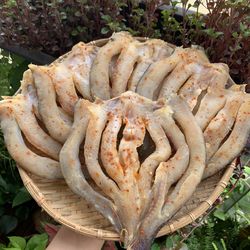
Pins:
x: 218, y: 33
x: 219, y: 214
x: 169, y: 242
x: 37, y: 242
x: 212, y: 33
x: 11, y: 3
x: 243, y: 27
x: 17, y: 242
x: 223, y: 244
x: 238, y: 197
x: 139, y: 12
x: 81, y: 29
x: 214, y: 246
x: 105, y: 30
x: 7, y: 224
x: 174, y: 3
x: 2, y: 246
x: 106, y: 18
x: 17, y: 60
x: 235, y: 34
x: 246, y: 33
x: 3, y: 183
x: 21, y: 197
x: 155, y: 246
x: 244, y: 204
x: 74, y: 32
x: 247, y: 170
x: 15, y: 75
x: 12, y: 248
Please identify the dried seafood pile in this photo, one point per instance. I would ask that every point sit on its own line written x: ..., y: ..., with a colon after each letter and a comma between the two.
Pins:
x: 124, y: 123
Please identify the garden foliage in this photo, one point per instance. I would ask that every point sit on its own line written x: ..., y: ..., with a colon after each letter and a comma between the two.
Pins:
x: 54, y: 26
x: 36, y: 242
x: 16, y: 204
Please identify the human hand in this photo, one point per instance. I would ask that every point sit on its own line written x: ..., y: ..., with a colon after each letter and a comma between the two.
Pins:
x: 67, y: 239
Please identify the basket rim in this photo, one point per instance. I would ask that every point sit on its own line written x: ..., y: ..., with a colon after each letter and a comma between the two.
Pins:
x: 184, y: 220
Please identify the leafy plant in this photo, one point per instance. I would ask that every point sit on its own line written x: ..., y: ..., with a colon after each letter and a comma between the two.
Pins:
x: 11, y: 72
x: 237, y: 204
x: 226, y: 37
x: 16, y: 205
x: 55, y: 26
x: 224, y: 32
x: 36, y: 242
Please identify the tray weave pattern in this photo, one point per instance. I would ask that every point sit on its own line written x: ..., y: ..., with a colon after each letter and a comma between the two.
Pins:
x: 55, y: 197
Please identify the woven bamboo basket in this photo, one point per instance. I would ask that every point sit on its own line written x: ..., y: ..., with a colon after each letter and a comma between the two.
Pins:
x: 55, y: 197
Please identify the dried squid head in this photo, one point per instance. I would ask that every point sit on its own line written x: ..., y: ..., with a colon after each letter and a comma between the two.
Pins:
x: 133, y: 177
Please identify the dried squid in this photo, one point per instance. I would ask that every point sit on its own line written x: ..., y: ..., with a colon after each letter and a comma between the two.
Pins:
x: 17, y: 120
x: 155, y: 120
x: 115, y: 167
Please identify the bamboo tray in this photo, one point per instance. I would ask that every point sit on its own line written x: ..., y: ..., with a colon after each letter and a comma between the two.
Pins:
x: 74, y: 212
x: 67, y: 208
